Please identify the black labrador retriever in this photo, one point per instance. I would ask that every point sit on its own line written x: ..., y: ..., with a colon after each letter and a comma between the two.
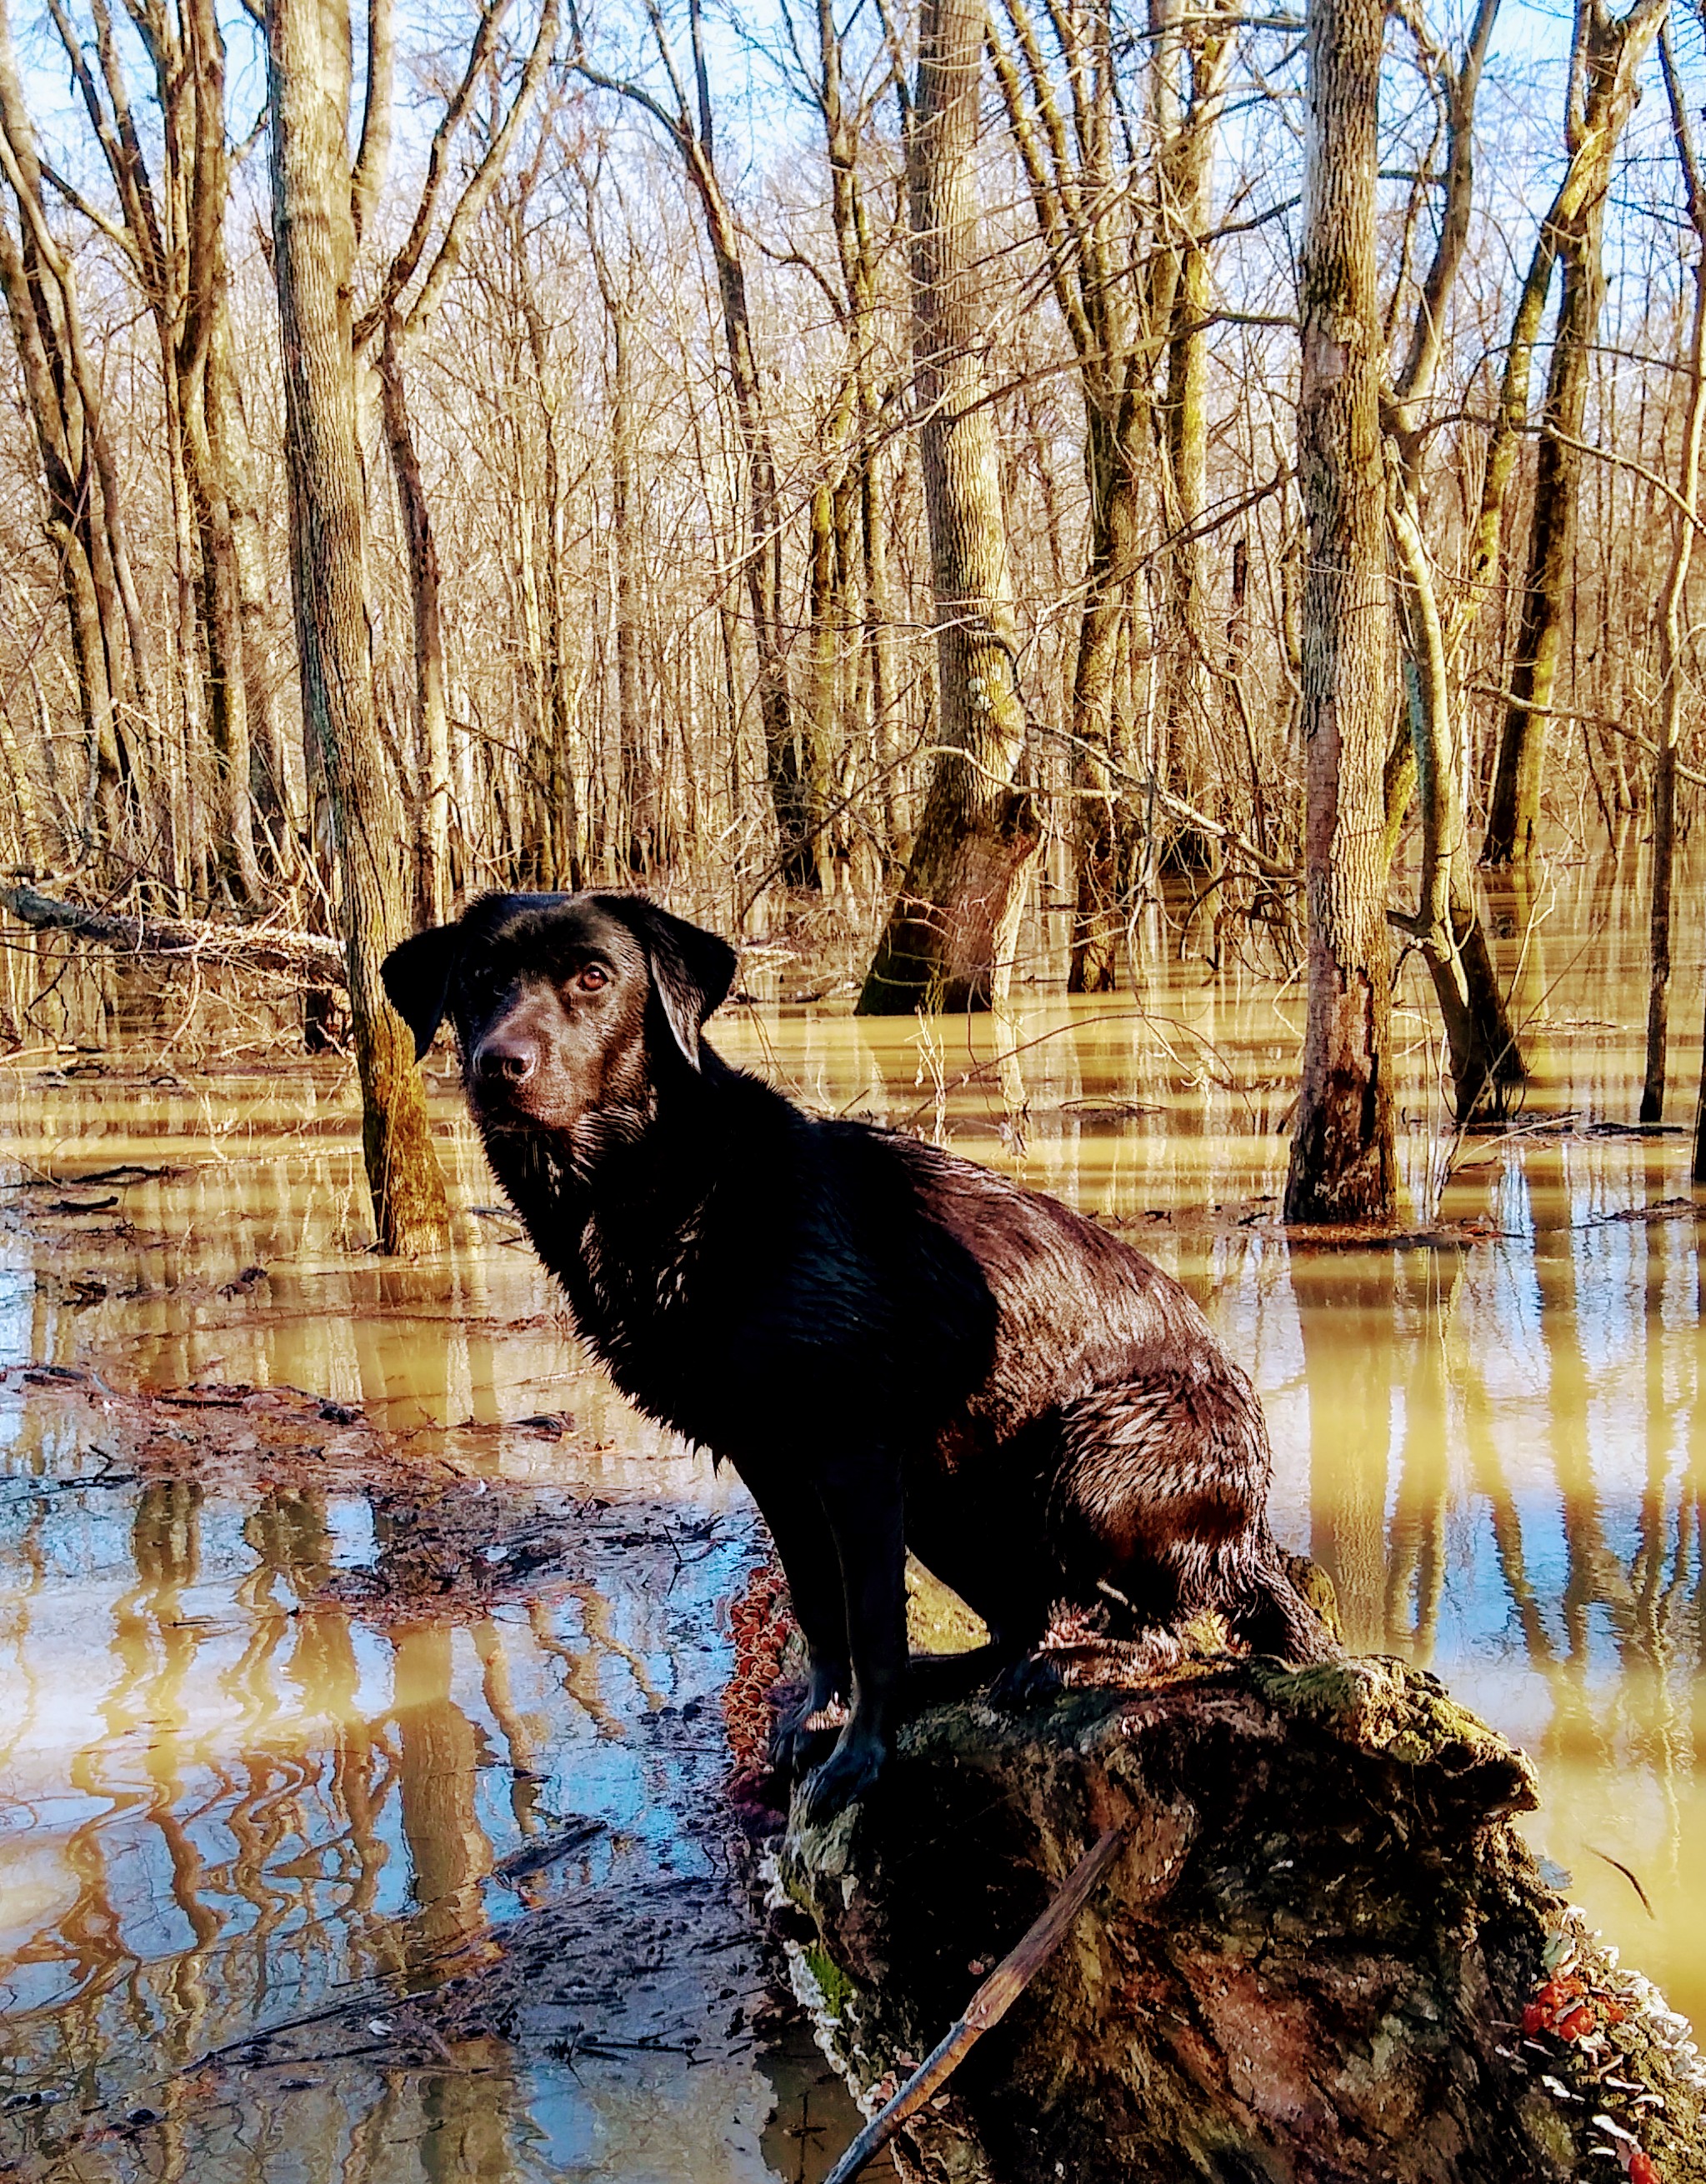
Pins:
x: 893, y: 1347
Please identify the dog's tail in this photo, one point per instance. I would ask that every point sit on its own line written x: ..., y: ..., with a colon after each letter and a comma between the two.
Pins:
x: 1288, y: 1608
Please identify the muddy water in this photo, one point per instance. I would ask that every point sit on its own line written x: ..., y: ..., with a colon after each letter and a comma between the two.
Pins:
x: 267, y: 1802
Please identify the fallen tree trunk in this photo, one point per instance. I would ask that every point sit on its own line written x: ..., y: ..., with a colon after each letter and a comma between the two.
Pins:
x: 311, y: 958
x: 1323, y: 1954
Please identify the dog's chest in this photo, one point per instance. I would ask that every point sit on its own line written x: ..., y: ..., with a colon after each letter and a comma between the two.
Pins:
x: 638, y: 1311
x: 630, y: 1295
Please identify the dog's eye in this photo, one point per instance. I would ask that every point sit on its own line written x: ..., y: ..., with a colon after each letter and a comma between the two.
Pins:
x: 593, y: 976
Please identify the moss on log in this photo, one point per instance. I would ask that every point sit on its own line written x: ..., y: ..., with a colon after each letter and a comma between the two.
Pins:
x: 1326, y: 1954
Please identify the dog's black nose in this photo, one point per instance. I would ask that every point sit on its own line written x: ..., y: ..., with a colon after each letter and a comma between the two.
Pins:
x: 506, y: 1058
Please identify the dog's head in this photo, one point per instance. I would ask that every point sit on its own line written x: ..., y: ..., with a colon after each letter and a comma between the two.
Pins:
x: 572, y: 1012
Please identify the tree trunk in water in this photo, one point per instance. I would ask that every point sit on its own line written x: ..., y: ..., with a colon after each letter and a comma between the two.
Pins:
x: 1480, y: 1037
x: 948, y: 939
x: 1343, y: 1165
x: 308, y: 68
x: 1670, y: 617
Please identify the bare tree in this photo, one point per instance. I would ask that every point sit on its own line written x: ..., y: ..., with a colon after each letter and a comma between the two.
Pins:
x: 795, y: 766
x: 1446, y: 924
x: 172, y: 233
x: 84, y: 495
x: 1605, y: 62
x: 1343, y: 1165
x: 314, y: 195
x: 407, y: 299
x: 1685, y: 520
x: 948, y: 942
x: 636, y: 777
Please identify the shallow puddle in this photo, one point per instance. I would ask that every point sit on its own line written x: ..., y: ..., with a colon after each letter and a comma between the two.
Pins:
x: 307, y: 1869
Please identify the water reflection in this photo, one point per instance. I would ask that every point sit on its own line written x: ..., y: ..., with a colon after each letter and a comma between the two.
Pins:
x: 236, y: 1783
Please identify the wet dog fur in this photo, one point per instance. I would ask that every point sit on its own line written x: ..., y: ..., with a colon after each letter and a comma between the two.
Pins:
x: 894, y: 1346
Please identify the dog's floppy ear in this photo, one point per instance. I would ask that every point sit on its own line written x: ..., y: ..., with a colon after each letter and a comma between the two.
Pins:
x: 691, y: 969
x: 417, y: 980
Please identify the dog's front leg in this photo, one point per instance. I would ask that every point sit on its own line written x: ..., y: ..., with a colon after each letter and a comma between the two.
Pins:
x: 798, y: 1525
x: 863, y: 1503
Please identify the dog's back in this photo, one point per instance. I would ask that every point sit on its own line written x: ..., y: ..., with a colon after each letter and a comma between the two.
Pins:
x: 1076, y: 1308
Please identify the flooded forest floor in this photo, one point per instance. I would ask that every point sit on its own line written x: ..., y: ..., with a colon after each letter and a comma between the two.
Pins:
x: 363, y: 1763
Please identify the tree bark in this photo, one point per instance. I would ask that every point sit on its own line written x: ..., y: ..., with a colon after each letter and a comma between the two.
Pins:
x: 948, y: 939
x: 308, y: 69
x: 1343, y: 1166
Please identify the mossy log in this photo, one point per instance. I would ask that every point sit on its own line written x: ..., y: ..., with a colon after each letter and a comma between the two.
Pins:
x: 1325, y: 1955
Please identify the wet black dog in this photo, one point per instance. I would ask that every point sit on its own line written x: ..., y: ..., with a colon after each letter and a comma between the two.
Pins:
x: 893, y: 1347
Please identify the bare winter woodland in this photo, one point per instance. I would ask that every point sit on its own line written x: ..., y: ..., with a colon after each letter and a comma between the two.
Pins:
x: 863, y: 464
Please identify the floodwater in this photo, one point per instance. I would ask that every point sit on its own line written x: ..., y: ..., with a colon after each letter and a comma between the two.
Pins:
x: 266, y: 1798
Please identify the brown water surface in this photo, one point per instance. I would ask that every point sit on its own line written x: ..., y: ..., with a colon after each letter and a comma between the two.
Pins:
x: 246, y: 1771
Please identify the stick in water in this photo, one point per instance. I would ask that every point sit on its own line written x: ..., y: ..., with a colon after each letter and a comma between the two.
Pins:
x: 988, y: 2006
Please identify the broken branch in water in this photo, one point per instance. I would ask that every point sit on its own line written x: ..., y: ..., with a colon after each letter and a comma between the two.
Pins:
x: 313, y: 958
x: 988, y: 2005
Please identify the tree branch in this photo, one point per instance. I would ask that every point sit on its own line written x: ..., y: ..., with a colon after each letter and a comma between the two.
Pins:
x: 312, y: 958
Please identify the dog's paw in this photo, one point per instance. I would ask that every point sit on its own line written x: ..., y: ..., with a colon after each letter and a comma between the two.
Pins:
x: 845, y: 1776
x: 805, y: 1728
x: 1032, y: 1680
x: 803, y: 1733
